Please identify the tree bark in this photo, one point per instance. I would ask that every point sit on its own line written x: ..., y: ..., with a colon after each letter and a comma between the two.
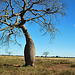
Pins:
x: 29, y: 50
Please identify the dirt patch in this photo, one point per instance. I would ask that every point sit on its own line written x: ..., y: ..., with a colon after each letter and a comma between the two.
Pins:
x: 61, y: 67
x: 15, y: 65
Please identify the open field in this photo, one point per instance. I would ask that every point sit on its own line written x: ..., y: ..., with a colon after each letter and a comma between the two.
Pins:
x: 43, y: 66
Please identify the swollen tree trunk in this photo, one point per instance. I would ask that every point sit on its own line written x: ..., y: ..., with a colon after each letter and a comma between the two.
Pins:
x: 29, y: 50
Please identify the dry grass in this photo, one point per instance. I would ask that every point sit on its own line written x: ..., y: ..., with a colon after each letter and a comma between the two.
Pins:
x: 43, y: 66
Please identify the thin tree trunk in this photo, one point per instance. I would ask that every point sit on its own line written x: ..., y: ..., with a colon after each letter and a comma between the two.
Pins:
x: 29, y: 50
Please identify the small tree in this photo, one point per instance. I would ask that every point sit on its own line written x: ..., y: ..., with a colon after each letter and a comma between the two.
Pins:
x: 8, y: 52
x: 45, y: 53
x: 15, y: 14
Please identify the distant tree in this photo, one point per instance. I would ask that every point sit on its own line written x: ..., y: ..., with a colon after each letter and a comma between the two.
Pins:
x: 15, y: 14
x: 57, y: 56
x: 8, y: 52
x: 45, y: 53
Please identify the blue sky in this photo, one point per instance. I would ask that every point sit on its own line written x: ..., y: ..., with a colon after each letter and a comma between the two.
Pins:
x: 63, y: 45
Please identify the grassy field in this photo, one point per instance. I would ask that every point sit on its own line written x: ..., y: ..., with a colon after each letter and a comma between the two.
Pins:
x: 43, y: 66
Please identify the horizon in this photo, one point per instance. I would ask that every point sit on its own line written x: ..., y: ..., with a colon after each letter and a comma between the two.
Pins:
x: 39, y: 56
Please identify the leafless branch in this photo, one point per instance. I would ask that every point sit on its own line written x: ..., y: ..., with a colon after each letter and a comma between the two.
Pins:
x: 41, y: 12
x: 17, y: 19
x: 4, y: 9
x: 4, y: 22
x: 11, y: 7
x: 24, y: 4
x: 18, y: 3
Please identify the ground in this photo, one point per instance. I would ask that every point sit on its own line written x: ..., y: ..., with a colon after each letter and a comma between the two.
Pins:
x: 13, y: 65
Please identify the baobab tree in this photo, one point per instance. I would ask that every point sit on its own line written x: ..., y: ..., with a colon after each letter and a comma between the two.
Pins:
x: 14, y: 15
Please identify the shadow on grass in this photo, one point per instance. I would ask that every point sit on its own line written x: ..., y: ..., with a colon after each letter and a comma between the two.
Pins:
x: 14, y: 65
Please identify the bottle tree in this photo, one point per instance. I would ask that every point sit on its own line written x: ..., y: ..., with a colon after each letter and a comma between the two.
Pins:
x: 14, y: 15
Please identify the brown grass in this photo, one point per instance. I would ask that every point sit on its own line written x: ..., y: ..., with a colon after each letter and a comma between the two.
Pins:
x: 12, y: 65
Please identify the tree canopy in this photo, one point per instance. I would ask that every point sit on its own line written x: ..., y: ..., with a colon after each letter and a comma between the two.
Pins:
x: 14, y: 13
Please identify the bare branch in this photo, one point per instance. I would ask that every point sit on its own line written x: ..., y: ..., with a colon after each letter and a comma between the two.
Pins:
x: 54, y: 11
x: 18, y: 4
x: 4, y: 9
x: 4, y: 22
x: 24, y: 7
x: 33, y: 18
x: 32, y: 5
x: 4, y: 28
x: 47, y: 12
x: 4, y: 16
x: 42, y: 12
x: 33, y: 13
x: 17, y: 19
x: 11, y: 7
x: 8, y: 17
x: 37, y: 10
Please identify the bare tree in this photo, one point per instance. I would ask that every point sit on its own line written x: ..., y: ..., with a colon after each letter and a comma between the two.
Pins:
x: 45, y: 53
x: 14, y: 14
